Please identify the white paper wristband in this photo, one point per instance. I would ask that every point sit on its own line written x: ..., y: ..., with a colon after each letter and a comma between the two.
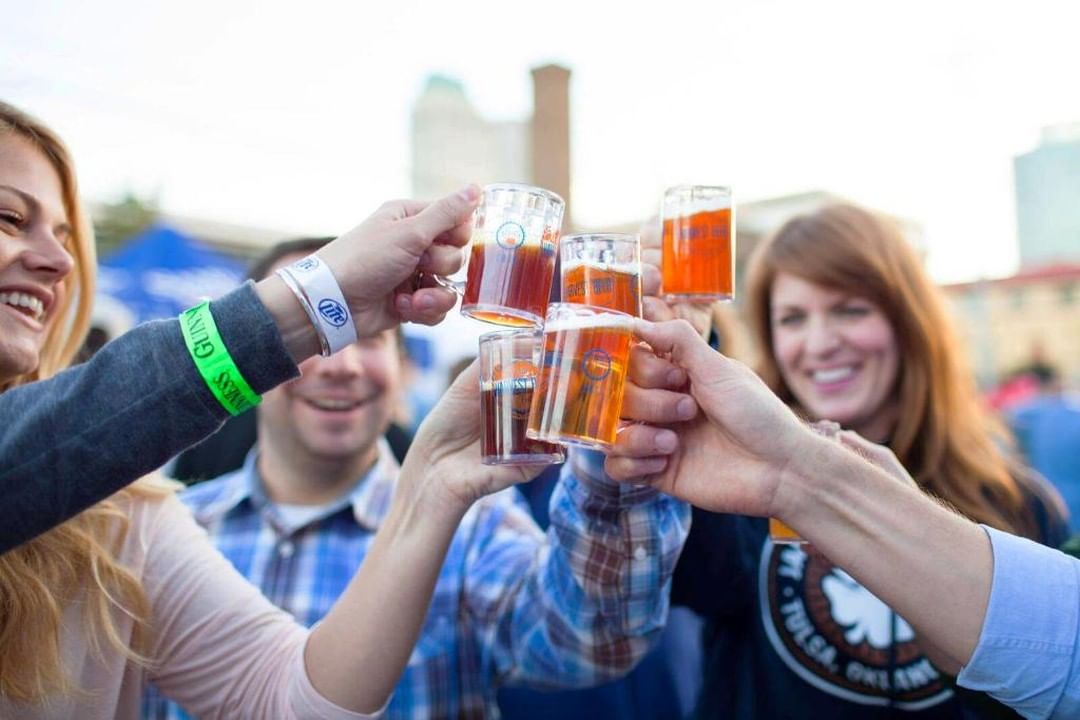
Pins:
x: 287, y: 278
x: 331, y: 312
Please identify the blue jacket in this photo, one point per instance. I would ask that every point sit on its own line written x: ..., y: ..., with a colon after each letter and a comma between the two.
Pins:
x: 1048, y: 432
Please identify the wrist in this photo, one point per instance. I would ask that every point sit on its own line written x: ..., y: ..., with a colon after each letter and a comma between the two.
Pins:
x: 297, y: 332
x: 799, y: 478
x: 587, y: 471
x: 425, y: 490
x: 316, y: 289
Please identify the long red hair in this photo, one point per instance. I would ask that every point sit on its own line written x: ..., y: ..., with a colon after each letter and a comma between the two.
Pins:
x: 942, y: 436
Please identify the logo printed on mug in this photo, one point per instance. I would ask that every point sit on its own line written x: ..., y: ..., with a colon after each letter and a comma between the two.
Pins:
x: 333, y: 312
x: 548, y: 242
x: 521, y: 399
x: 596, y: 364
x: 510, y: 235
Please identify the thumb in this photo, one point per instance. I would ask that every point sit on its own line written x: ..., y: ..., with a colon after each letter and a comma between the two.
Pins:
x: 446, y: 213
x: 681, y: 341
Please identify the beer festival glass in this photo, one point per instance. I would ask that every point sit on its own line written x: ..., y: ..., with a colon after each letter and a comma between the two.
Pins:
x: 512, y: 260
x: 779, y: 532
x: 698, y: 244
x: 579, y: 390
x: 508, y: 361
x: 602, y: 269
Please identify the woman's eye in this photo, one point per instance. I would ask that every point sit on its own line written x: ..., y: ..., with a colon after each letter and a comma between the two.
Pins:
x: 11, y: 217
x: 854, y: 310
x: 789, y: 320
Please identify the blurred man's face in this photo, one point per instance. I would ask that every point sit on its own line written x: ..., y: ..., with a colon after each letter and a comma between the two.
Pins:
x: 340, y: 406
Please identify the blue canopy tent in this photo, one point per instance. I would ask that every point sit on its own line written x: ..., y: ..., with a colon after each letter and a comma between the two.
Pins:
x: 161, y: 272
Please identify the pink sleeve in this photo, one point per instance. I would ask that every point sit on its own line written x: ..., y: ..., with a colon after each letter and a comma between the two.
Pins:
x: 218, y: 646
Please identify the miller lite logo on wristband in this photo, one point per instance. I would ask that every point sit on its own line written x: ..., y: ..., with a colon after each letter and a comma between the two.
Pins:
x: 317, y: 290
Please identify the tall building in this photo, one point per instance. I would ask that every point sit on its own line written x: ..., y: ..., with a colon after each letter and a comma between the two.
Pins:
x: 549, y: 132
x: 452, y: 144
x: 1047, y: 189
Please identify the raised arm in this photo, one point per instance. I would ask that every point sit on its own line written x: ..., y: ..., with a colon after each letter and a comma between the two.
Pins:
x: 932, y: 566
x: 74, y: 439
x: 583, y: 603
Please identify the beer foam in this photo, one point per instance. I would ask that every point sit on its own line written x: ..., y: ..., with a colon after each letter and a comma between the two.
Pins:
x: 616, y: 320
x: 623, y: 268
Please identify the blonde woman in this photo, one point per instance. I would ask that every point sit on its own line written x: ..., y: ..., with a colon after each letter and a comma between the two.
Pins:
x: 76, y: 438
x: 131, y: 589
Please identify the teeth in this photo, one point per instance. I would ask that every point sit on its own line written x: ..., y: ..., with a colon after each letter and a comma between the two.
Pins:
x: 333, y: 404
x: 833, y: 374
x: 24, y: 300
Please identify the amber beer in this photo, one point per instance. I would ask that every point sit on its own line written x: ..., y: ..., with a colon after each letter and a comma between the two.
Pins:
x: 512, y: 261
x: 507, y: 380
x: 504, y: 417
x: 582, y: 376
x: 508, y: 287
x: 603, y: 270
x: 698, y: 244
x: 781, y: 534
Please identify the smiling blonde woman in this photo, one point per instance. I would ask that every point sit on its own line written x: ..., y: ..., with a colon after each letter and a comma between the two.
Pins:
x: 131, y: 589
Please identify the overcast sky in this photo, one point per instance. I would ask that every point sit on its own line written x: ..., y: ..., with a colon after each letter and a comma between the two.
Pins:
x: 296, y: 115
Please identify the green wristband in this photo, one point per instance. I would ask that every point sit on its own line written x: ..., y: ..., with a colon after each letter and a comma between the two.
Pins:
x: 212, y: 358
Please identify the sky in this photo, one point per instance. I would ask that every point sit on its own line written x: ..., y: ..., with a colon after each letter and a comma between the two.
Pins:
x: 296, y: 116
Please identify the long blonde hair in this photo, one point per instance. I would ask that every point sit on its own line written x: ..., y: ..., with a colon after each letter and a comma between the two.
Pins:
x: 76, y: 561
x: 942, y: 436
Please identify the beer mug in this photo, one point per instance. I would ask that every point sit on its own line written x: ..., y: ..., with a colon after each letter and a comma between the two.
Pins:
x: 779, y: 531
x: 508, y: 360
x: 698, y: 244
x: 603, y: 270
x: 511, y: 262
x: 582, y: 376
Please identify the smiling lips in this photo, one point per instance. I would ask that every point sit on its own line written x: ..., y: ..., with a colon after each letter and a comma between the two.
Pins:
x: 832, y: 376
x: 334, y: 404
x: 25, y: 303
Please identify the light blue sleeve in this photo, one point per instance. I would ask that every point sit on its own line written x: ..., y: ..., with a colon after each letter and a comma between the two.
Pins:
x: 1028, y: 655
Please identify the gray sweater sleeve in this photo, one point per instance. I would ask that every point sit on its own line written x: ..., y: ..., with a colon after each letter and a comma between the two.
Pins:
x: 77, y: 438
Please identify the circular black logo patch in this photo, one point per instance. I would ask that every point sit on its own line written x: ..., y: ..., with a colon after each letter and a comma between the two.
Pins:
x: 836, y: 635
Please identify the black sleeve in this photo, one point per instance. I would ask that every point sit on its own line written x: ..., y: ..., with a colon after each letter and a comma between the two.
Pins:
x: 399, y: 440
x: 222, y: 452
x: 73, y: 440
x: 715, y: 571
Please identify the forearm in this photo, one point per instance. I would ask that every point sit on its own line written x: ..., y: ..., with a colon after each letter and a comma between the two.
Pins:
x: 72, y: 440
x: 356, y: 655
x: 928, y: 563
x: 637, y: 530
x: 604, y: 584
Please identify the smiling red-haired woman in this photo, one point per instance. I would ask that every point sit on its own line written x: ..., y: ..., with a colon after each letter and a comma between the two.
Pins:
x: 850, y: 329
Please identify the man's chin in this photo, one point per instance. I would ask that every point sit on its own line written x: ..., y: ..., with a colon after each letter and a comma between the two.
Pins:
x: 340, y: 450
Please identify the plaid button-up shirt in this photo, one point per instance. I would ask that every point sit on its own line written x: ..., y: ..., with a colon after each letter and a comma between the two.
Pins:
x: 512, y: 606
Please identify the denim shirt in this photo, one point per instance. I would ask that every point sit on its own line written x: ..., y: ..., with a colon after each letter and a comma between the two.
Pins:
x: 73, y: 440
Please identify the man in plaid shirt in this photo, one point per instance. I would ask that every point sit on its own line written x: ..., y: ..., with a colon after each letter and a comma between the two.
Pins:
x: 574, y: 607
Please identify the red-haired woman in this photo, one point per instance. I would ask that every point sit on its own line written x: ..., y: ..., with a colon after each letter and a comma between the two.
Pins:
x: 850, y: 329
